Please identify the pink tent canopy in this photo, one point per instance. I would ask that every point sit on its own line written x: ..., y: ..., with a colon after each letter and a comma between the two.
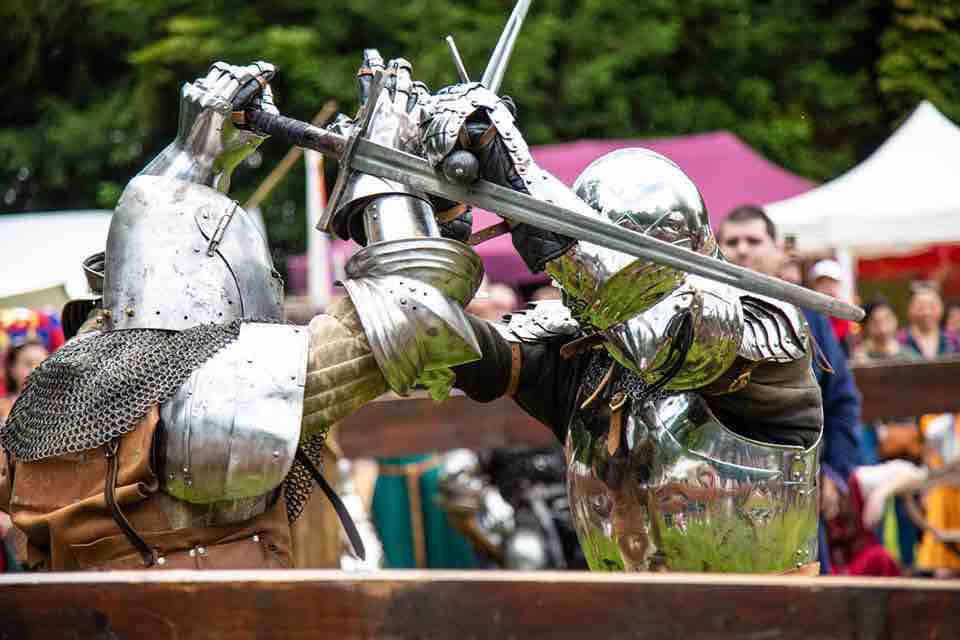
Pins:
x: 727, y: 172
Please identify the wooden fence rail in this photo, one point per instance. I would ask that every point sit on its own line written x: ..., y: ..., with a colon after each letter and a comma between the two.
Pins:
x: 266, y: 605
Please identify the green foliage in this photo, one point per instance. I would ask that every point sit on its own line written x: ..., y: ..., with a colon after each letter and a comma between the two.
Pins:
x: 91, y: 93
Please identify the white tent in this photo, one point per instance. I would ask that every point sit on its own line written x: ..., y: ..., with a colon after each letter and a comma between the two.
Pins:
x: 41, y: 255
x: 906, y: 194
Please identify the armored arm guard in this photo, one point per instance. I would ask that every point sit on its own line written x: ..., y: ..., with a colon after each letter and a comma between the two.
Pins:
x: 408, y: 284
x: 602, y: 287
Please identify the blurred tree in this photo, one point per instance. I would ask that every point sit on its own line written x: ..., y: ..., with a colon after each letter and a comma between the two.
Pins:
x: 921, y: 57
x: 92, y: 91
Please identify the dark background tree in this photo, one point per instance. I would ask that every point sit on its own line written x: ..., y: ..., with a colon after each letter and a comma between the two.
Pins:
x: 90, y: 89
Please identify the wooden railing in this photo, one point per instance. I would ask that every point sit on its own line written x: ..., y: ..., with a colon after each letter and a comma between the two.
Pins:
x: 266, y: 605
x: 404, y: 426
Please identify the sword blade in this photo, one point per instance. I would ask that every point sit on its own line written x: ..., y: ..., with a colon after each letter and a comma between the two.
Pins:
x: 415, y: 172
x: 497, y: 65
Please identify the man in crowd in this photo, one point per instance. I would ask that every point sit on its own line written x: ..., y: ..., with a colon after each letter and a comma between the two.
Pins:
x: 827, y: 276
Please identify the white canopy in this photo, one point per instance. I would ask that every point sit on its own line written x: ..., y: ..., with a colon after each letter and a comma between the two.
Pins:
x: 907, y: 193
x: 41, y: 255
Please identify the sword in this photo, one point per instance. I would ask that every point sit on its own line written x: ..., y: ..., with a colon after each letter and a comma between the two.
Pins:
x: 359, y: 154
x: 497, y: 65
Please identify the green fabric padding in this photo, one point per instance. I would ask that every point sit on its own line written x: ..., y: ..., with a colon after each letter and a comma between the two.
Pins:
x: 446, y: 548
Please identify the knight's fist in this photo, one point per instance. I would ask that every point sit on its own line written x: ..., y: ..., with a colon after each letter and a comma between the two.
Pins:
x: 228, y: 87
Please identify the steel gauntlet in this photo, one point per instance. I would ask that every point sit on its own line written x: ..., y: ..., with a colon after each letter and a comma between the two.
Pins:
x: 208, y: 146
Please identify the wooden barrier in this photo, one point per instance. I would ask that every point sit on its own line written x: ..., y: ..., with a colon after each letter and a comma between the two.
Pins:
x: 405, y: 426
x: 241, y: 605
x: 909, y: 389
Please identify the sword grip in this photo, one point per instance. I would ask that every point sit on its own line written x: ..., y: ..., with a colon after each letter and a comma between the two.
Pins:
x: 295, y: 132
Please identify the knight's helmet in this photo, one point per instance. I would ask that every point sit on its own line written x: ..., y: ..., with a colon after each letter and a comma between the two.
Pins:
x: 648, y: 193
x: 181, y: 254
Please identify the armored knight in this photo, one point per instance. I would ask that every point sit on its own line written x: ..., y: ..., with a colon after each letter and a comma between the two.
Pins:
x: 181, y: 428
x: 689, y: 411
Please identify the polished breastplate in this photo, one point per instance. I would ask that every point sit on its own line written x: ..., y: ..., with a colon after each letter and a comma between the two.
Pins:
x: 660, y: 484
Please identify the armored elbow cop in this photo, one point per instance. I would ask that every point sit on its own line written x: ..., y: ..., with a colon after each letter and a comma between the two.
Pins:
x: 409, y: 295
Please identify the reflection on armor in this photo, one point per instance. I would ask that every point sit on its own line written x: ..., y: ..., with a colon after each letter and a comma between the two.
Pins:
x: 409, y: 295
x: 645, y: 192
x: 231, y: 430
x: 676, y: 490
x: 647, y: 343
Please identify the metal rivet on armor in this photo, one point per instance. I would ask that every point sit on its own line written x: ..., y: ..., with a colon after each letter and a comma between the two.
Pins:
x: 202, y: 551
x: 161, y: 561
x: 192, y: 553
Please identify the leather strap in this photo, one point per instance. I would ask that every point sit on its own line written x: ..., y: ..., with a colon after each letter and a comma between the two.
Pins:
x: 581, y: 344
x: 516, y: 364
x: 109, y: 491
x: 345, y: 520
x: 615, y: 431
x: 600, y: 387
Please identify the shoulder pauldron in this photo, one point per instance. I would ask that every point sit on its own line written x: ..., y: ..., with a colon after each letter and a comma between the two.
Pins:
x: 540, y: 322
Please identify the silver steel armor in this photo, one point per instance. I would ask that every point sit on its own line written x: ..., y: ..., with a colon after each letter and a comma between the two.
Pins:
x: 409, y: 285
x: 656, y: 481
x: 181, y: 254
x: 674, y: 489
x: 232, y: 429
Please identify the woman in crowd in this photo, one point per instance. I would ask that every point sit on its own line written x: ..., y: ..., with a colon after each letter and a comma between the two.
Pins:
x: 951, y: 323
x: 923, y: 333
x: 895, y: 438
x: 21, y: 360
